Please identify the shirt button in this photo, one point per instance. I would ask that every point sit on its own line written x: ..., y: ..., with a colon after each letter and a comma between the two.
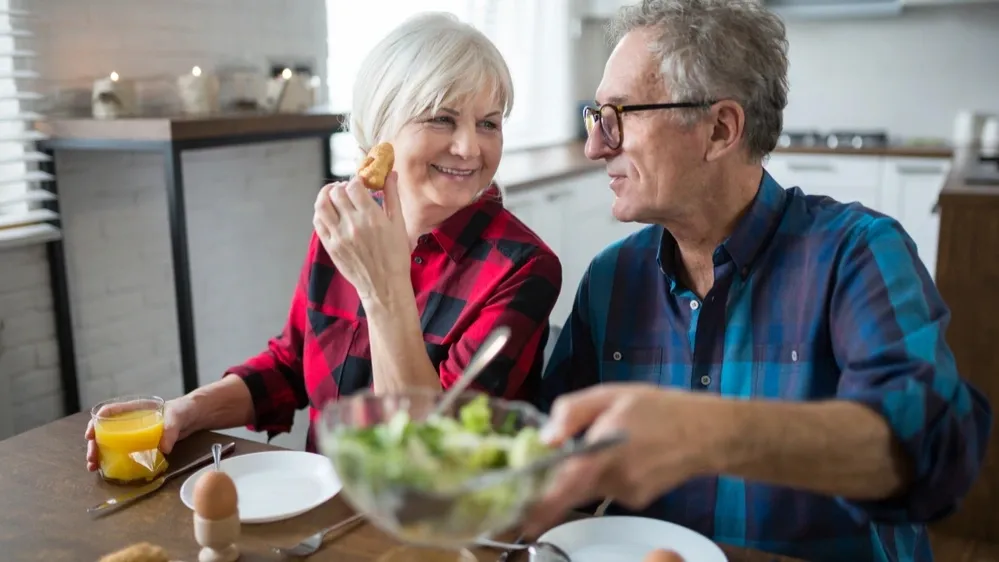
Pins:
x: 617, y: 356
x: 794, y: 355
x: 694, y: 305
x: 705, y: 380
x: 418, y: 260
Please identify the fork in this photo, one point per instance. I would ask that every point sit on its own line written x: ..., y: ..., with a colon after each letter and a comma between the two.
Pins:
x: 312, y: 543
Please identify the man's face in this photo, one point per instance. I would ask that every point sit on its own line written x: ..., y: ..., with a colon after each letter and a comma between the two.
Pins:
x: 656, y: 172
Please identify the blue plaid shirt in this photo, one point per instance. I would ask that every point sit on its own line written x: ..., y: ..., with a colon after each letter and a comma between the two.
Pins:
x: 812, y: 299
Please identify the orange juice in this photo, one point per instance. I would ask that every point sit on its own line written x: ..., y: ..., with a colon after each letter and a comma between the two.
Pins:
x: 128, y: 443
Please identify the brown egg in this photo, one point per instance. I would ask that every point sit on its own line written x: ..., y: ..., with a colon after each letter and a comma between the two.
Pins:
x: 662, y: 555
x: 215, y: 496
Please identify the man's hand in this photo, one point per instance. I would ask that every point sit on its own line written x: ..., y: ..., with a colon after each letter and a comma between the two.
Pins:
x: 672, y: 436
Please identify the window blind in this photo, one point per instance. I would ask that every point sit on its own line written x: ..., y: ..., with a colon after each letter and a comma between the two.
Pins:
x: 28, y: 211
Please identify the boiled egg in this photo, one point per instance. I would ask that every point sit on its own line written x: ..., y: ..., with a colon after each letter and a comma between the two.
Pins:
x: 662, y: 555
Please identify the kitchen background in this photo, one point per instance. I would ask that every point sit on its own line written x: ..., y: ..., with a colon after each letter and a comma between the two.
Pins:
x: 907, y: 75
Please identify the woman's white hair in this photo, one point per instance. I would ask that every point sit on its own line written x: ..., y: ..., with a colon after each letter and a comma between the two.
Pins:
x: 714, y: 49
x: 429, y: 60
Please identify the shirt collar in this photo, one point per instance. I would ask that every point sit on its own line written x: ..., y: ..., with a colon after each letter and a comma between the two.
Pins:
x: 751, y: 235
x: 462, y: 230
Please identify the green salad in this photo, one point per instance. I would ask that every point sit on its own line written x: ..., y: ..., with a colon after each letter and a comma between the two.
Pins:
x: 440, y: 454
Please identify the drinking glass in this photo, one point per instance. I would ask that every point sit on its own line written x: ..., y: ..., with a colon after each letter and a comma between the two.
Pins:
x: 128, y: 430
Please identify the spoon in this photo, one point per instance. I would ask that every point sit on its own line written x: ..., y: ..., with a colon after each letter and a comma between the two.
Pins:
x: 217, y: 455
x: 490, y: 347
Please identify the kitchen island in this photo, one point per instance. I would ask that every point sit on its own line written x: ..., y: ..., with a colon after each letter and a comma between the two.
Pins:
x: 968, y: 279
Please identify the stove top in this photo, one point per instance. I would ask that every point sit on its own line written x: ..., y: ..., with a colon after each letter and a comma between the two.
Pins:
x: 833, y: 140
x: 985, y: 171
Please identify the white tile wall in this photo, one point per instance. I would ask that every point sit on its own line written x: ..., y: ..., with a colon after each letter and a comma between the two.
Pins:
x: 249, y: 212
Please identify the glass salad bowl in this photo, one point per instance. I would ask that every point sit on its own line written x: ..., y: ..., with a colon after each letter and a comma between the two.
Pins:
x: 435, y: 482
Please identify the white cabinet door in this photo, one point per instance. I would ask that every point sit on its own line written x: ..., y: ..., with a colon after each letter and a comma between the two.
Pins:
x: 539, y: 209
x: 543, y: 210
x: 911, y: 187
x: 845, y: 178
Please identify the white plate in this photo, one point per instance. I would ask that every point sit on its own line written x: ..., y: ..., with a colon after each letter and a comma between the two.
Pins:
x: 274, y: 485
x: 629, y: 539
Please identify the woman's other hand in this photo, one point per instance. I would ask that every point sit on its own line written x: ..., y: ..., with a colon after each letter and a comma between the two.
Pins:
x: 175, y: 428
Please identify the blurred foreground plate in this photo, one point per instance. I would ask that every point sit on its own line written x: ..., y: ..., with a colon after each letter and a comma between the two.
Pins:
x: 629, y: 539
x: 274, y: 485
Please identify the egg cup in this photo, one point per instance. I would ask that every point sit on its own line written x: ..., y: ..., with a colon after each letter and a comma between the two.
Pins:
x: 217, y: 538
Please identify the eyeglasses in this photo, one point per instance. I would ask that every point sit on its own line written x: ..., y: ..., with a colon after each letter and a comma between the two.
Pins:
x: 609, y: 117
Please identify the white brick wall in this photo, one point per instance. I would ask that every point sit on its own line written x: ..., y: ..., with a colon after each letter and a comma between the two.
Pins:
x: 249, y: 211
x: 29, y: 374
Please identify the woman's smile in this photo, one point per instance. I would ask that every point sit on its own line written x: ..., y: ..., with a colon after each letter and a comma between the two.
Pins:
x: 454, y: 174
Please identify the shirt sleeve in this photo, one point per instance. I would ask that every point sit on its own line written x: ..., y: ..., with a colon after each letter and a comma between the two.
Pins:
x: 275, y: 377
x: 523, y: 302
x: 888, y: 326
x: 573, y: 364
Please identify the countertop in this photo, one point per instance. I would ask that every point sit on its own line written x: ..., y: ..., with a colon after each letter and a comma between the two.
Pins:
x: 520, y: 169
x: 971, y: 176
x: 187, y: 128
x: 526, y: 168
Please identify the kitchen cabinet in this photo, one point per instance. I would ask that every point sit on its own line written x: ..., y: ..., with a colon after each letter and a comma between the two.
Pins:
x: 573, y: 216
x: 846, y: 178
x: 910, y: 188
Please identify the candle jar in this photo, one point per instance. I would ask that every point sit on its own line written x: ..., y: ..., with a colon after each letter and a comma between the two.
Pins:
x: 112, y: 97
x: 199, y: 92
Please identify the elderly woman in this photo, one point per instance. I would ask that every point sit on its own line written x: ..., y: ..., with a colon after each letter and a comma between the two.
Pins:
x: 399, y: 289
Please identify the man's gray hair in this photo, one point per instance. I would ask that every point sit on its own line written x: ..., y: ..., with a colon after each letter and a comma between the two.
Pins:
x: 718, y: 49
x: 429, y: 60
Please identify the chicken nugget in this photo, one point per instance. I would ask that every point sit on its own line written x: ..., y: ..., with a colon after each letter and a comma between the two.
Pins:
x: 377, y: 165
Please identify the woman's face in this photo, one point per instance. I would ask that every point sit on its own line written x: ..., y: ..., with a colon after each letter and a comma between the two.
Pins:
x: 447, y: 158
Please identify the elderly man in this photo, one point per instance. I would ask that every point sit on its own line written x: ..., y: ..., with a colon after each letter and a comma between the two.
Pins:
x: 778, y: 359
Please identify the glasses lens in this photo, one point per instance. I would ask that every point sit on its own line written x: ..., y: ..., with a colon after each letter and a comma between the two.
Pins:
x: 610, y: 124
x: 589, y: 118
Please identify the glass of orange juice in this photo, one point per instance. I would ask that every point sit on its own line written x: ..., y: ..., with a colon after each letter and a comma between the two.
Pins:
x: 127, y: 430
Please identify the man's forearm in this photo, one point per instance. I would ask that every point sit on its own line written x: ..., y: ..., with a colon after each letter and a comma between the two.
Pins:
x: 399, y: 357
x: 837, y: 448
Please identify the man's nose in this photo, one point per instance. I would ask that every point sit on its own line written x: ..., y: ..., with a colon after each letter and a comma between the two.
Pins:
x: 595, y: 147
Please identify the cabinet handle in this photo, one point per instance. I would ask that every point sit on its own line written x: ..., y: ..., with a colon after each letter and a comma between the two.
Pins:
x: 920, y: 170
x: 811, y: 167
x: 552, y: 197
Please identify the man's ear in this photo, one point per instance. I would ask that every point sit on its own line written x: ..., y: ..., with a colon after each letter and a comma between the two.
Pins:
x: 728, y: 123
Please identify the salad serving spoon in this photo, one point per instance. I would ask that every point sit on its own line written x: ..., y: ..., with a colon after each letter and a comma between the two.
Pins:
x: 490, y: 348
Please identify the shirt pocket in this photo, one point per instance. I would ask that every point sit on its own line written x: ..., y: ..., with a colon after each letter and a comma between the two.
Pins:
x: 631, y: 363
x: 786, y: 370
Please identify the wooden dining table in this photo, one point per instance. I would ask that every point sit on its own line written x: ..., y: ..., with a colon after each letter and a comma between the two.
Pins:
x: 45, y: 491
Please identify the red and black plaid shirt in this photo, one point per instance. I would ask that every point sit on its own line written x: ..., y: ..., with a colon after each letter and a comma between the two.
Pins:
x: 480, y: 268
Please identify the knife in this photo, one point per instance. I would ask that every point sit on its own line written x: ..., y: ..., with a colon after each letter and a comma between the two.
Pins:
x: 146, y: 489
